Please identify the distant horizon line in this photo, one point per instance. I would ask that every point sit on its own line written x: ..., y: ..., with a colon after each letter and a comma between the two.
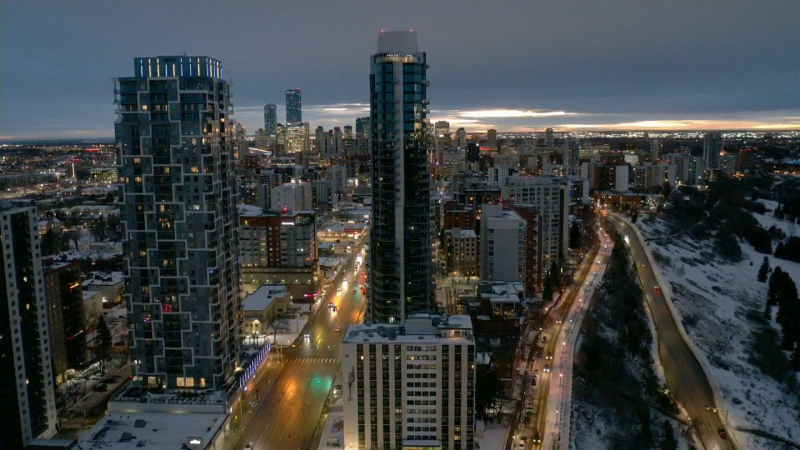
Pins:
x: 27, y: 139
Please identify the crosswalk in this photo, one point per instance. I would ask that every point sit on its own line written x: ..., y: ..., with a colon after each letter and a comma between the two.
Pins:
x: 316, y: 360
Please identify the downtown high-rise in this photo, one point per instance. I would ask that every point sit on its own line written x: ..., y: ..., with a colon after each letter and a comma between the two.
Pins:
x: 401, y: 272
x: 294, y: 108
x: 26, y: 378
x: 271, y: 119
x: 175, y: 159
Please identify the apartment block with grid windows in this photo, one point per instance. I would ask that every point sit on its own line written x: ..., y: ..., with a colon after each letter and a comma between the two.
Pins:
x: 410, y: 386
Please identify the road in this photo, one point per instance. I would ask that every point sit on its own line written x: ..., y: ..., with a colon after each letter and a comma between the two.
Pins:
x: 288, y: 407
x: 550, y: 329
x: 686, y: 379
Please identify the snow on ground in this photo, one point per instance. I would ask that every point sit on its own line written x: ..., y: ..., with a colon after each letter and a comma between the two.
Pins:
x: 714, y: 300
x: 494, y: 436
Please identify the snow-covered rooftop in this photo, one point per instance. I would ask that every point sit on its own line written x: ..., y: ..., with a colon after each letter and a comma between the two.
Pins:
x: 152, y: 431
x: 421, y: 328
x: 264, y: 296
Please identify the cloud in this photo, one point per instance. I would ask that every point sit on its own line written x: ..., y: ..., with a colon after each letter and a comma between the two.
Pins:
x: 512, y: 113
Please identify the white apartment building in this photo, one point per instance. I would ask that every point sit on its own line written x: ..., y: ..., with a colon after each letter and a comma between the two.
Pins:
x: 410, y: 386
x: 550, y: 196
x: 293, y: 196
x: 502, y: 244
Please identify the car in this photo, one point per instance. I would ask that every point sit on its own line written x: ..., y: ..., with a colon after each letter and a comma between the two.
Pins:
x: 547, y: 368
x: 658, y: 288
x: 248, y: 446
x: 537, y: 438
x: 337, y: 241
x: 523, y: 443
x: 334, y: 309
x: 330, y: 304
x: 337, y: 329
x: 643, y: 266
x: 307, y: 335
x: 722, y: 433
x: 354, y: 290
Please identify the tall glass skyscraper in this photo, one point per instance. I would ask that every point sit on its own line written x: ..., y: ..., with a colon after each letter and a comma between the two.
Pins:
x: 294, y: 109
x: 271, y: 119
x: 401, y: 272
x: 175, y: 158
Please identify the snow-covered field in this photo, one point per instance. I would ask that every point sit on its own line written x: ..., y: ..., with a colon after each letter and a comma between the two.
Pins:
x: 716, y: 301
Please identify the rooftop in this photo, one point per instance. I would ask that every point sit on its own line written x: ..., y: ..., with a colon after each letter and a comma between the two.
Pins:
x: 152, y: 431
x: 421, y: 328
x: 263, y: 297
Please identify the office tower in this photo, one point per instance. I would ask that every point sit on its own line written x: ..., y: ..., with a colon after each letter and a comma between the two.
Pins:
x: 442, y: 135
x: 297, y: 138
x: 294, y: 109
x: 550, y: 197
x: 549, y: 141
x: 425, y: 393
x: 362, y: 128
x: 461, y: 139
x: 363, y: 136
x: 322, y: 141
x: 292, y: 196
x: 348, y: 132
x: 271, y: 119
x: 179, y: 194
x: 712, y: 147
x: 26, y: 378
x: 66, y: 317
x: 348, y: 141
x: 473, y: 152
x: 491, y: 139
x: 401, y: 269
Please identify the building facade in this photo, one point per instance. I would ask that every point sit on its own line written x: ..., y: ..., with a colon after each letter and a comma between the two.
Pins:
x: 66, y: 317
x: 294, y: 107
x: 178, y: 188
x: 271, y: 119
x: 503, y: 244
x: 712, y: 147
x: 410, y: 386
x: 401, y: 269
x: 292, y: 197
x: 550, y: 196
x: 461, y: 252
x: 26, y: 380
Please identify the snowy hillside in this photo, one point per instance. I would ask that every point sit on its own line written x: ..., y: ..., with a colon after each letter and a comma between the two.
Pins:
x: 721, y: 306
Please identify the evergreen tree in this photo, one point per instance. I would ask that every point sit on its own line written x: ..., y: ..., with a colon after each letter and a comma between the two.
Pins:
x: 634, y: 215
x: 763, y: 271
x: 574, y: 236
x: 103, y: 344
x: 774, y: 282
x: 556, y: 276
x: 547, y: 289
x: 668, y: 440
x: 727, y: 245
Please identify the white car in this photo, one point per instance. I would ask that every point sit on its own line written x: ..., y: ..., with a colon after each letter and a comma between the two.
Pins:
x: 248, y: 446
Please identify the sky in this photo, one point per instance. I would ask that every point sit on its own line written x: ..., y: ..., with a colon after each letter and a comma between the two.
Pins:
x: 508, y: 65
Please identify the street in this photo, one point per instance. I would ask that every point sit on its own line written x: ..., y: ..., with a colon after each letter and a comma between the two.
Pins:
x: 288, y: 409
x: 685, y: 376
x: 551, y: 329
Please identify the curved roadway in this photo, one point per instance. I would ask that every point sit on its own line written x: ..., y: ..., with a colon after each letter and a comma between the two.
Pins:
x: 685, y: 376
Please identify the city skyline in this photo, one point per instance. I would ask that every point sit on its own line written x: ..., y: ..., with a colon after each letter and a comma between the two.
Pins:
x: 587, y: 67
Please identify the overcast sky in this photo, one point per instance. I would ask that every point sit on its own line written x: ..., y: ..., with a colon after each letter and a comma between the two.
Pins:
x: 508, y: 65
